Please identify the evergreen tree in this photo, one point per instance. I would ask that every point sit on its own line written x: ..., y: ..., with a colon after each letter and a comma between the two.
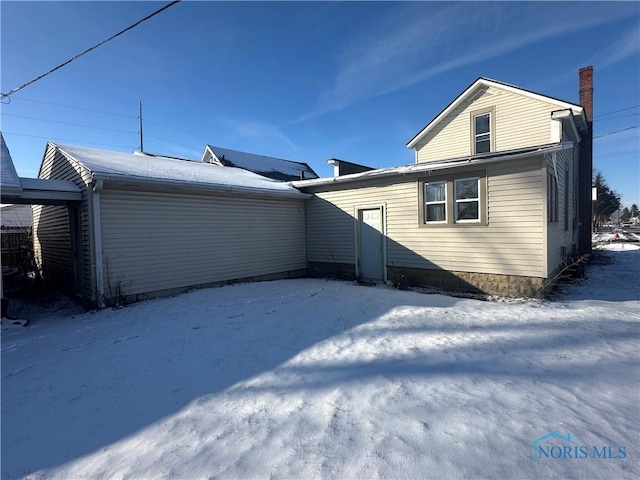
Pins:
x: 634, y: 210
x: 608, y: 201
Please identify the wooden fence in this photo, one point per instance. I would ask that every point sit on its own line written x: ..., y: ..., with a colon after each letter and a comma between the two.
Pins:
x: 17, y: 246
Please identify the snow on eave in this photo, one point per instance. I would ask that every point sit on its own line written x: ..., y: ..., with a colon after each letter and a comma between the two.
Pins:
x: 486, y: 82
x: 142, y: 169
x: 427, y: 167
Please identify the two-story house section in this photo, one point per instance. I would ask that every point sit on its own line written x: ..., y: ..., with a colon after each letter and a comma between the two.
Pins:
x: 491, y: 204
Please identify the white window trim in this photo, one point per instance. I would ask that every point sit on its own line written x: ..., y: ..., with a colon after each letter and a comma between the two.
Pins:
x: 465, y: 200
x: 439, y: 202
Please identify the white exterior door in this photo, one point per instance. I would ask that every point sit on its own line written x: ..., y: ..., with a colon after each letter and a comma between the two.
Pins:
x: 370, y: 244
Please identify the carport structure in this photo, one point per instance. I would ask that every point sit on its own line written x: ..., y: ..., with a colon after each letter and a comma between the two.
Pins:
x: 58, y: 194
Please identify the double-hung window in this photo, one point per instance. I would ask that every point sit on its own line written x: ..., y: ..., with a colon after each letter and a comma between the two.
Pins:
x: 482, y: 133
x: 467, y: 199
x: 435, y: 202
x: 453, y: 199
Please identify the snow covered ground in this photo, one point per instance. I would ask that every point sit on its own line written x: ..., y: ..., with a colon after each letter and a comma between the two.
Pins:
x: 326, y: 379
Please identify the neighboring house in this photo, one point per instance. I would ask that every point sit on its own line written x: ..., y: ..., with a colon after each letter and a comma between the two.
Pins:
x: 150, y: 226
x: 15, y: 216
x: 495, y: 202
x: 275, y: 168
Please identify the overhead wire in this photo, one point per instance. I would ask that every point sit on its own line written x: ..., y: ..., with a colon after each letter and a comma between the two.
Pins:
x: 26, y: 84
x: 67, y: 123
x: 67, y: 140
x: 616, y: 131
x: 76, y: 108
x: 616, y: 111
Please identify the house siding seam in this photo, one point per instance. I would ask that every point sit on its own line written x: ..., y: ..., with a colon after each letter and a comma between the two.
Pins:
x: 511, y: 244
x: 449, y: 138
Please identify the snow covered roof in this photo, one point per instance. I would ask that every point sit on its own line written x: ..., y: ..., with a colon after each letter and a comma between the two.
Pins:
x: 10, y: 182
x: 15, y: 215
x: 128, y: 166
x: 17, y: 190
x: 427, y: 167
x: 275, y: 168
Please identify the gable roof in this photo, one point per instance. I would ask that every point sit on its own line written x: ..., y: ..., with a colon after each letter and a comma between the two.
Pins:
x: 104, y: 164
x: 487, y: 82
x: 276, y: 168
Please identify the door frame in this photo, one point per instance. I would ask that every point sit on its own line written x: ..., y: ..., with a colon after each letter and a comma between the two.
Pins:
x: 382, y: 207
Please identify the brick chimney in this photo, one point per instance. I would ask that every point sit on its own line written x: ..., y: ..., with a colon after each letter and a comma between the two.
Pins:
x: 585, y: 162
x: 586, y: 91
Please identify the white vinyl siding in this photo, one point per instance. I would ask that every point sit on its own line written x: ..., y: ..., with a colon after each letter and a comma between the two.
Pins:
x: 51, y: 226
x: 154, y: 241
x: 519, y: 122
x: 512, y: 243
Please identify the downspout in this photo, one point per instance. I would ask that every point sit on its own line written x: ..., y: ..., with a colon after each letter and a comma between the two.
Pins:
x: 97, y: 235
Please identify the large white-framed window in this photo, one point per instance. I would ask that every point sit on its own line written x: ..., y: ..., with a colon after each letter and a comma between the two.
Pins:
x: 467, y: 199
x: 456, y: 198
x: 435, y: 202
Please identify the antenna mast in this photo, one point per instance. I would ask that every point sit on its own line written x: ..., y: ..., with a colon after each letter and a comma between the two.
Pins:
x: 140, y: 117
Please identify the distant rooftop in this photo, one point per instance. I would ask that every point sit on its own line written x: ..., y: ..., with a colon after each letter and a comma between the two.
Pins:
x: 275, y: 168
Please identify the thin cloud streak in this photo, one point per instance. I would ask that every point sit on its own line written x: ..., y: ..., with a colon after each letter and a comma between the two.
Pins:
x: 627, y: 45
x: 259, y: 136
x: 422, y: 48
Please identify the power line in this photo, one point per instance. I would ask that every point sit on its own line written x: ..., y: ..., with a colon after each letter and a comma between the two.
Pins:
x: 616, y: 111
x: 169, y: 141
x: 617, y: 131
x: 628, y: 152
x: 11, y: 92
x: 75, y: 108
x: 67, y: 140
x: 67, y: 123
x: 622, y: 116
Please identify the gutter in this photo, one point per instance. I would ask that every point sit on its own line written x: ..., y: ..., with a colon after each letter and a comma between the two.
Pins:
x: 428, y: 167
x: 97, y: 235
x: 561, y: 116
x: 190, y: 187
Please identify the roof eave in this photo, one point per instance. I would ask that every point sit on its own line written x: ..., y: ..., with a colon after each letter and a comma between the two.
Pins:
x: 426, y: 167
x: 182, y: 186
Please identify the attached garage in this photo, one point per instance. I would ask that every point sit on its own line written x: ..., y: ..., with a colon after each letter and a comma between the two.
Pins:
x: 154, y: 226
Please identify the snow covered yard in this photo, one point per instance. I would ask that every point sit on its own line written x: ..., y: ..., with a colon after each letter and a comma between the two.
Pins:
x: 326, y: 379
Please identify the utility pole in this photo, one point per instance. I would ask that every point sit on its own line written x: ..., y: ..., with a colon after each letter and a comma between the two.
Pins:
x: 140, y: 117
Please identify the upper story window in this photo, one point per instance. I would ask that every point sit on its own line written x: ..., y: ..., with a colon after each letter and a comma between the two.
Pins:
x: 435, y: 202
x: 482, y: 133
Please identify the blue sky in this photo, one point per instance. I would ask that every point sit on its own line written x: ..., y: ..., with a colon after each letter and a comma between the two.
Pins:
x: 306, y: 81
